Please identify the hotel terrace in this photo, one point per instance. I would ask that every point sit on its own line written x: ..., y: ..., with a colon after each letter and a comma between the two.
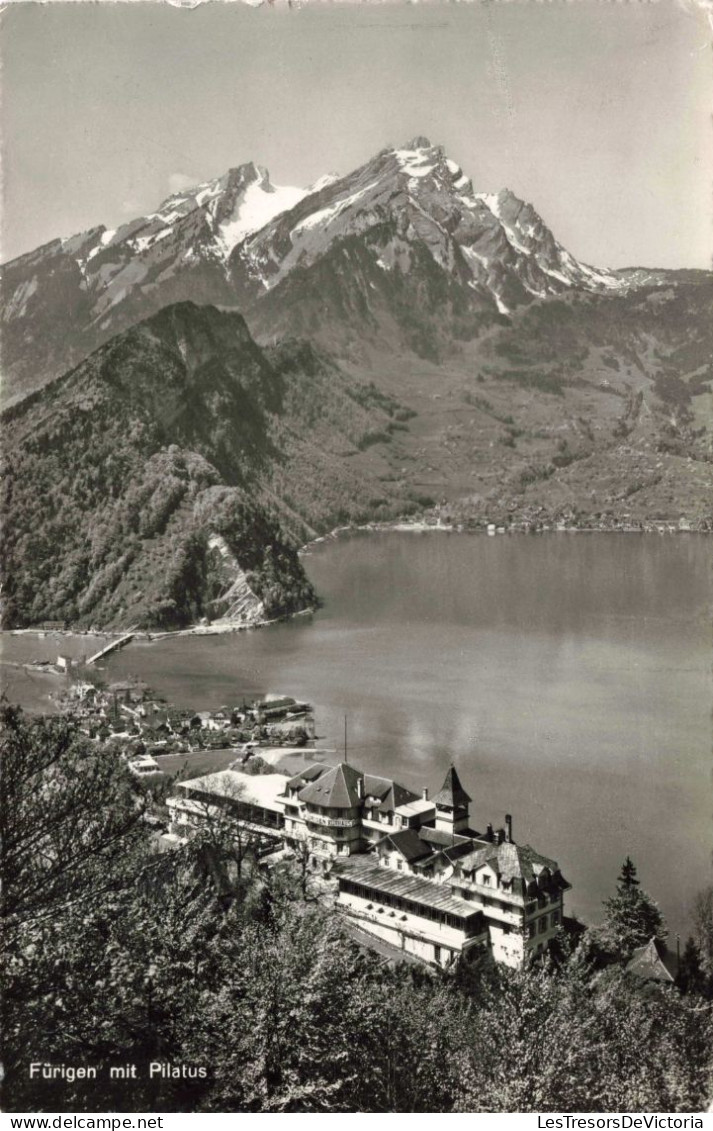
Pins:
x: 406, y: 869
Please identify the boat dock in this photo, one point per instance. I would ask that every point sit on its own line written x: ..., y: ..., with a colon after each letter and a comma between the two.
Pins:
x: 108, y: 648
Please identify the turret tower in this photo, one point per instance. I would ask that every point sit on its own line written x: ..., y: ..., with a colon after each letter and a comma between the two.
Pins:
x: 452, y: 805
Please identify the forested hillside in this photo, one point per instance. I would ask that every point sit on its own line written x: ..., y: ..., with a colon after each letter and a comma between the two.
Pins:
x: 175, y: 472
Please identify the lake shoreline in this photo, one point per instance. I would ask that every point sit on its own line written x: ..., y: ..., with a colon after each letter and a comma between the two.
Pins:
x: 222, y: 628
x: 568, y: 678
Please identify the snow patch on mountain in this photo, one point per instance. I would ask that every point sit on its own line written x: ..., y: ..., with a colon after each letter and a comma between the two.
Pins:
x: 324, y: 182
x: 143, y: 243
x: 260, y: 203
x: 325, y: 216
x: 500, y: 304
x: 415, y: 162
x: 471, y: 254
x: 491, y: 200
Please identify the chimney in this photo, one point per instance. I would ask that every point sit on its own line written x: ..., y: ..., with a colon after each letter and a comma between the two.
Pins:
x: 360, y: 788
x: 508, y: 825
x: 489, y: 832
x: 425, y: 793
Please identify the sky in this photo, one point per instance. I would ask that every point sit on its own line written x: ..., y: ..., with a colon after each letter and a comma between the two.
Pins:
x: 596, y: 112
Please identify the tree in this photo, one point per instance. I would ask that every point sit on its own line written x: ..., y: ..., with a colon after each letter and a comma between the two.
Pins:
x: 627, y: 877
x: 67, y: 816
x: 227, y: 838
x: 691, y: 979
x: 301, y: 869
x: 81, y: 903
x: 565, y: 1041
x: 632, y: 916
x: 703, y: 927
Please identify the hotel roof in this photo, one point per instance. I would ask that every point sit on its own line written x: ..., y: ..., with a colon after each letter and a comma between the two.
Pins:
x: 511, y: 861
x: 409, y: 844
x: 451, y: 845
x: 251, y: 789
x: 389, y: 793
x: 338, y: 788
x: 307, y: 775
x: 452, y: 793
x: 441, y: 839
x: 415, y: 808
x: 436, y: 896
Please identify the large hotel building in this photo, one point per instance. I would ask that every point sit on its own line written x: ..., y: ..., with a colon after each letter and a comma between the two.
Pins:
x: 407, y: 869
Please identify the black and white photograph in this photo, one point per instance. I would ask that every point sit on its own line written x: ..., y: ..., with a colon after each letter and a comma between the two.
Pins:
x: 356, y: 587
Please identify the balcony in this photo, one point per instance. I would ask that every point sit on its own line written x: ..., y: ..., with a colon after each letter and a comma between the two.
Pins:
x: 384, y: 827
x: 331, y: 822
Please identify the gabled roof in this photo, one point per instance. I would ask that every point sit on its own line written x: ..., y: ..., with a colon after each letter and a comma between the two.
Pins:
x: 513, y: 861
x: 338, y: 788
x: 452, y: 792
x: 389, y: 793
x: 409, y: 844
x: 444, y: 846
x: 653, y: 962
x: 440, y: 839
x: 307, y: 775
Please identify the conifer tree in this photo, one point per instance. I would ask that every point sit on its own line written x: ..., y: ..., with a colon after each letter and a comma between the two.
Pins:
x: 691, y: 979
x: 627, y: 877
x: 632, y: 916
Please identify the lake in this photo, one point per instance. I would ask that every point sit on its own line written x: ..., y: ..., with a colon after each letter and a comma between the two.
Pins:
x: 567, y: 676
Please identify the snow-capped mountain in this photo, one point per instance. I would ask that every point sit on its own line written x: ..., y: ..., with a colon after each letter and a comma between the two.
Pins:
x: 239, y: 240
x: 205, y: 222
x: 495, y: 243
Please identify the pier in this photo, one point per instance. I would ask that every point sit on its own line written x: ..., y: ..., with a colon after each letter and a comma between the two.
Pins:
x: 112, y: 647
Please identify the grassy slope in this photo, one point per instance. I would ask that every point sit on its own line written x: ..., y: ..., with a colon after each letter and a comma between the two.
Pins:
x: 595, y: 409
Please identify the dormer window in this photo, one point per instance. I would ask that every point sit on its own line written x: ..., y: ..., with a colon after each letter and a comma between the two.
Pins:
x: 486, y: 880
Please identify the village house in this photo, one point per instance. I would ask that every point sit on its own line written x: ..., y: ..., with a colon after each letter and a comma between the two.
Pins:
x: 408, y: 870
x: 654, y: 962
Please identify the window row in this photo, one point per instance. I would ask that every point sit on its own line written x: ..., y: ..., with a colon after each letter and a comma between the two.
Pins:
x: 543, y: 924
x: 386, y: 899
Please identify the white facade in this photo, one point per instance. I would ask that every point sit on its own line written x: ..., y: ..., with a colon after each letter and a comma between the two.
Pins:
x: 408, y: 870
x: 415, y: 915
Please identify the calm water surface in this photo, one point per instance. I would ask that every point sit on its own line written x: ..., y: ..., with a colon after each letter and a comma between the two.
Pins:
x: 567, y: 676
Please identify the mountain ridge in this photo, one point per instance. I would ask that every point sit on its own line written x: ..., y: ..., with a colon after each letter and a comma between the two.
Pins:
x: 230, y: 241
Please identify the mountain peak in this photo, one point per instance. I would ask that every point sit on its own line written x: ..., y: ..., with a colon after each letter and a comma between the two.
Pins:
x: 245, y: 174
x: 419, y: 142
x: 233, y: 239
